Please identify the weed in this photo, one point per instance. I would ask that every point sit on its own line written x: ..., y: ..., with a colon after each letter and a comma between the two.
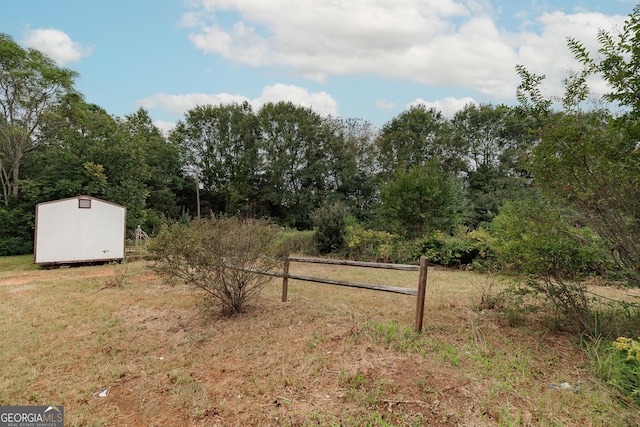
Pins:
x: 514, y: 315
x: 617, y: 364
x: 120, y: 277
x: 449, y: 353
x: 372, y: 397
x: 507, y: 419
x: 351, y: 381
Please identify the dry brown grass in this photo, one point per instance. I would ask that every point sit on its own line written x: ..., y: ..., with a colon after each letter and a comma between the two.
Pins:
x: 329, y: 356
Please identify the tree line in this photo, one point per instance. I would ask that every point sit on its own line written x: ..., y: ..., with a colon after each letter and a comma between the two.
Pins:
x: 490, y: 168
x: 419, y: 172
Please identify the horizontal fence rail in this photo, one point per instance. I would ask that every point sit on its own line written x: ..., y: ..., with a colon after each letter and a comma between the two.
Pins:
x: 419, y: 293
x: 405, y: 267
x: 394, y: 289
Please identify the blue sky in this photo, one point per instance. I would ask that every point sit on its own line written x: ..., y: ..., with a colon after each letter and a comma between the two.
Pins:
x: 368, y: 59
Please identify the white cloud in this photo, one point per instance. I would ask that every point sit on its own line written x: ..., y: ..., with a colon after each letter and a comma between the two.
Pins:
x: 384, y: 105
x: 546, y: 52
x: 180, y: 104
x: 56, y: 44
x: 165, y: 127
x: 448, y: 106
x: 444, y: 43
x: 321, y: 102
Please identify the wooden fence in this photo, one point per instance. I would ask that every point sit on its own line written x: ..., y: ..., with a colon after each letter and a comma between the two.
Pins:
x: 419, y: 293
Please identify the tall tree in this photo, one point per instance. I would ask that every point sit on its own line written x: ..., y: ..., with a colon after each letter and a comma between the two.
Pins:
x: 162, y: 166
x: 415, y: 138
x: 350, y: 157
x: 89, y: 152
x: 294, y: 152
x: 498, y: 138
x: 218, y: 145
x: 30, y: 84
x: 422, y: 200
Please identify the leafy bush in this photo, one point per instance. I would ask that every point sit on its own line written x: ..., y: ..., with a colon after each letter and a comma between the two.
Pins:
x: 223, y: 257
x: 368, y: 245
x: 296, y: 242
x: 422, y: 200
x: 330, y: 224
x: 471, y: 250
x: 541, y: 241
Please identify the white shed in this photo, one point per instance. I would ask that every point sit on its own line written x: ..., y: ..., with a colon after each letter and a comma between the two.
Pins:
x: 79, y: 229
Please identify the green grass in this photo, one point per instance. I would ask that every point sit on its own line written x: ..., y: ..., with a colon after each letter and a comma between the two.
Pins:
x: 17, y: 263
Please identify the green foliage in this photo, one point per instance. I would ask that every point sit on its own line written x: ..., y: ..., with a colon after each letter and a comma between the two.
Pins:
x: 16, y: 232
x: 417, y: 137
x: 368, y: 245
x: 617, y: 62
x: 573, y: 147
x: 617, y: 364
x: 127, y: 162
x: 330, y: 226
x: 351, y: 163
x: 223, y: 257
x: 160, y: 169
x: 31, y: 84
x: 296, y: 143
x: 462, y: 249
x: 422, y: 200
x: 589, y: 159
x: 219, y: 144
x: 542, y: 241
x: 497, y: 138
x: 291, y: 241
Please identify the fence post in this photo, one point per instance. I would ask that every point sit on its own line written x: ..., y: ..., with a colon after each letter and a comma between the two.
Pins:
x: 285, y: 280
x: 422, y: 287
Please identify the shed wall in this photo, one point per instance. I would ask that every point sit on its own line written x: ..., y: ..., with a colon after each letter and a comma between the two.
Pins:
x: 67, y: 233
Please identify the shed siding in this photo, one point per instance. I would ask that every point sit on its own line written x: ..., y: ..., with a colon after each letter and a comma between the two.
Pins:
x: 67, y: 233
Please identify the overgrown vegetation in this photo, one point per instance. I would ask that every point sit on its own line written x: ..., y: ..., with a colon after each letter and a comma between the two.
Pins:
x: 546, y: 197
x: 330, y: 224
x: 541, y: 241
x: 224, y: 257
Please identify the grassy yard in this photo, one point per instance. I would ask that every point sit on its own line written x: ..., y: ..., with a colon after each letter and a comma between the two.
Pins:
x: 329, y: 356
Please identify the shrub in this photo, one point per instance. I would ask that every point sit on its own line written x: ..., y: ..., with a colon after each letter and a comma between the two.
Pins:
x: 296, y: 242
x: 330, y: 224
x: 223, y: 257
x: 459, y: 250
x: 543, y: 242
x: 422, y: 200
x: 368, y: 245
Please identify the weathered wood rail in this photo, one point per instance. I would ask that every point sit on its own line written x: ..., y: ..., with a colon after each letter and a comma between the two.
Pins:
x: 419, y: 293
